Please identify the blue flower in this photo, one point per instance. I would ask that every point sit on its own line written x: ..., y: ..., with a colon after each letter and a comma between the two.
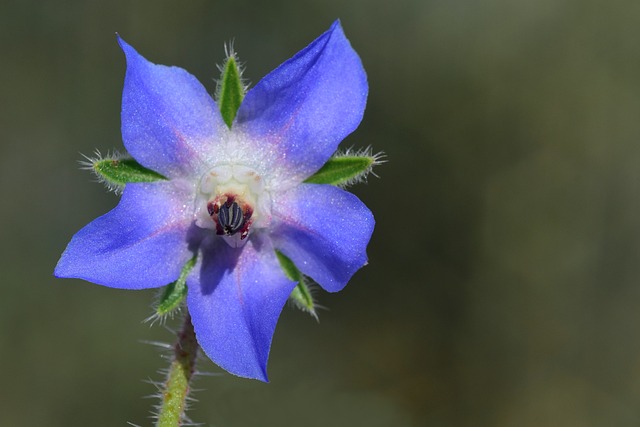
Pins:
x: 233, y: 196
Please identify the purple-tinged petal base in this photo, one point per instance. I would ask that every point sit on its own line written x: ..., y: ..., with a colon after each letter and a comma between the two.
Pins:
x: 141, y: 243
x: 235, y: 297
x: 325, y: 231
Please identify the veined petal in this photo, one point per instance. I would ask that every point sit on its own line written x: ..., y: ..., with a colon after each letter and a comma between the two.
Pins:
x: 170, y: 124
x: 325, y: 231
x: 303, y: 109
x: 141, y: 243
x: 235, y: 297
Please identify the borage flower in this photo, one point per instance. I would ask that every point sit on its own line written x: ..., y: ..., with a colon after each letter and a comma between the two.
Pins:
x: 236, y: 198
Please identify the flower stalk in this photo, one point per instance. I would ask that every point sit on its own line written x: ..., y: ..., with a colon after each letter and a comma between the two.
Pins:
x: 176, y: 388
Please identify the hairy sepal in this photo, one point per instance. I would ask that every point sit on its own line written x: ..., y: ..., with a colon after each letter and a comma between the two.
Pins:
x: 302, y: 294
x: 115, y: 171
x: 344, y: 169
x: 174, y: 293
x: 231, y: 89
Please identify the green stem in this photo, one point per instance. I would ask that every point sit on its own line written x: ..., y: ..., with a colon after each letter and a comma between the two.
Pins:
x: 176, y: 388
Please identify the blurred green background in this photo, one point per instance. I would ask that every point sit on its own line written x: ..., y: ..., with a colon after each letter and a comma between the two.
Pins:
x: 510, y: 298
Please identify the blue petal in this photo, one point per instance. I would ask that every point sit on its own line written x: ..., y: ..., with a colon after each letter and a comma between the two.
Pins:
x: 305, y: 107
x: 235, y: 298
x: 141, y: 243
x: 169, y: 121
x: 325, y: 231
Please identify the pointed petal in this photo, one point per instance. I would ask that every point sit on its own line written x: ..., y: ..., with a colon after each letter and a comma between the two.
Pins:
x: 169, y: 121
x: 235, y: 298
x: 303, y: 109
x: 325, y: 231
x: 141, y: 243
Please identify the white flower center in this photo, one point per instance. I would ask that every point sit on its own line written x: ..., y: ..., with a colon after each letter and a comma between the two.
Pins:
x: 232, y: 201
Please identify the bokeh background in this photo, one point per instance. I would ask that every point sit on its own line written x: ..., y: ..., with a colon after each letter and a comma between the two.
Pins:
x: 504, y: 279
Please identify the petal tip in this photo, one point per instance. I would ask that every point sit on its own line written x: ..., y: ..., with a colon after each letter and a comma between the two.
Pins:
x: 127, y: 49
x: 123, y: 44
x: 263, y: 375
x: 260, y: 375
x: 336, y: 28
x: 63, y: 270
x: 58, y: 272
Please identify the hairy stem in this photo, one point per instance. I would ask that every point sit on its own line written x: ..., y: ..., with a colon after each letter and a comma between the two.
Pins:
x: 176, y: 388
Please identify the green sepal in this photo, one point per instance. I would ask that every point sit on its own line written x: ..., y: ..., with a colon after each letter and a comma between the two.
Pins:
x: 302, y: 298
x: 231, y: 90
x: 289, y: 268
x: 115, y: 171
x: 301, y: 295
x: 345, y: 169
x: 174, y: 293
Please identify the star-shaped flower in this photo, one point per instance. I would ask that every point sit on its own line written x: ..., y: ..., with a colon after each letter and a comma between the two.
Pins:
x: 235, y: 197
